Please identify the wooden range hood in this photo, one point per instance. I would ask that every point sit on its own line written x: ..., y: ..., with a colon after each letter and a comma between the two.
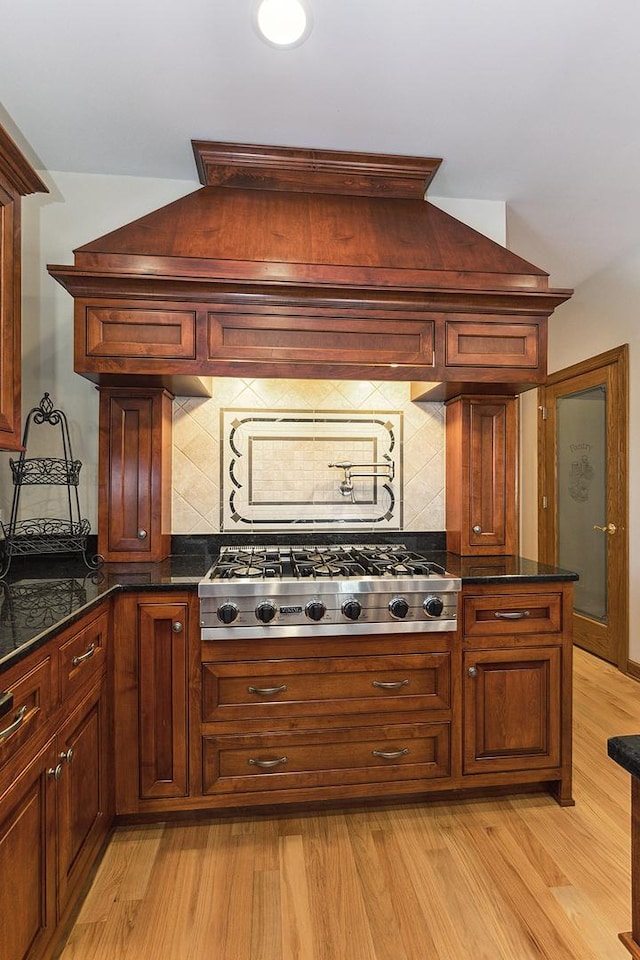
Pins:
x: 308, y: 263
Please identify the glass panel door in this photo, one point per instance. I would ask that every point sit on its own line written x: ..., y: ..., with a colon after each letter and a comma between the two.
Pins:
x: 583, y: 489
x: 582, y: 495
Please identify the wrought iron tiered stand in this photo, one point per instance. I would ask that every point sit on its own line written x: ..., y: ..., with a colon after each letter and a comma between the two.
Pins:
x: 42, y: 535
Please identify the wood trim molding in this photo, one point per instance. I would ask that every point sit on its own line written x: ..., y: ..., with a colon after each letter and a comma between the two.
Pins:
x: 246, y: 165
x: 16, y: 169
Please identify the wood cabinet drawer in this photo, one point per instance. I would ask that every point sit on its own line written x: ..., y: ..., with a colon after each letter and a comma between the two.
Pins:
x: 82, y: 655
x: 338, y: 685
x: 140, y: 332
x: 299, y: 338
x: 492, y: 343
x: 497, y: 616
x: 31, y: 707
x: 276, y: 761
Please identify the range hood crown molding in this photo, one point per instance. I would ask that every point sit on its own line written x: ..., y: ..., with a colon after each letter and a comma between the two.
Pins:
x: 252, y: 166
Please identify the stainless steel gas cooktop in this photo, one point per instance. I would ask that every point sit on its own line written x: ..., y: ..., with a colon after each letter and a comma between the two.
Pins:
x: 269, y: 591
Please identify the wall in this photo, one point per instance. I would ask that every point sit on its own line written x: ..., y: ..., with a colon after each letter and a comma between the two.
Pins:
x: 80, y: 208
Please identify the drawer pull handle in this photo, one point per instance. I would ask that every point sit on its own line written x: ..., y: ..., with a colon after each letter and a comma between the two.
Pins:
x: 389, y: 684
x: 55, y: 772
x: 85, y: 656
x: 67, y: 755
x: 390, y: 754
x: 268, y: 764
x: 17, y: 723
x: 267, y: 691
x: 516, y: 615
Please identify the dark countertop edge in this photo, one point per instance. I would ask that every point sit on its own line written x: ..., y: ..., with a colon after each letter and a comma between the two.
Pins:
x: 497, y: 579
x: 625, y: 751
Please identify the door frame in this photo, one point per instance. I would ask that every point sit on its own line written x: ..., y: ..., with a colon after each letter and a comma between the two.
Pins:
x: 617, y: 498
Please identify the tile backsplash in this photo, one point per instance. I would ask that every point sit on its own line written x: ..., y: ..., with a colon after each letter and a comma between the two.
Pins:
x: 277, y: 473
x: 255, y: 457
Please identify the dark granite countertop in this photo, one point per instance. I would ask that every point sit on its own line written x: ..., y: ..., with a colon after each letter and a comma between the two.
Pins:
x: 626, y: 752
x: 497, y: 570
x: 40, y: 596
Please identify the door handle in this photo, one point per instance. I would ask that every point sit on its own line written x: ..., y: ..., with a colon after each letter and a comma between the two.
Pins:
x: 609, y: 528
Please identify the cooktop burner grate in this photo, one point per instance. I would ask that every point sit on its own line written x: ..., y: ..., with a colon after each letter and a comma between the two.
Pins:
x: 321, y: 562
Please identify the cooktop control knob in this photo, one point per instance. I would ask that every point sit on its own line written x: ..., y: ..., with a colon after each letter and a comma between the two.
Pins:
x: 398, y: 608
x: 433, y: 606
x: 227, y: 612
x: 351, y: 609
x: 315, y: 610
x: 265, y: 611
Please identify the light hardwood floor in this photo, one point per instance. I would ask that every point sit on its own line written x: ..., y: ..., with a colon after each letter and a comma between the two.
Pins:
x: 508, y: 879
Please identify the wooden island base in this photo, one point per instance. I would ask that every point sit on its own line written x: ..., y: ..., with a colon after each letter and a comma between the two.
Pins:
x: 626, y: 752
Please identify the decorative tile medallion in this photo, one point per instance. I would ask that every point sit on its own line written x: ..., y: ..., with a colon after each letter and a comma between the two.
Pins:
x: 276, y: 473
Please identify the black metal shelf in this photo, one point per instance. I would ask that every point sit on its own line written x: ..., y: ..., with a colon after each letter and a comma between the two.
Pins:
x: 44, y: 535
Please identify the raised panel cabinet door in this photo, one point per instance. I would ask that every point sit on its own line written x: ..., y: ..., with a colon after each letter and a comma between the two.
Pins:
x: 27, y: 855
x: 17, y: 179
x: 10, y: 358
x: 134, y: 510
x: 512, y: 709
x: 481, y: 496
x: 163, y: 630
x: 82, y: 790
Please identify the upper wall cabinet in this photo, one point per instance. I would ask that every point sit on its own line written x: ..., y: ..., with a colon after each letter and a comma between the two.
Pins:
x: 17, y: 179
x: 308, y: 263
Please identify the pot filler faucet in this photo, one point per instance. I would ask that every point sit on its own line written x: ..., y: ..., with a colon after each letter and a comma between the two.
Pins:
x: 346, y: 484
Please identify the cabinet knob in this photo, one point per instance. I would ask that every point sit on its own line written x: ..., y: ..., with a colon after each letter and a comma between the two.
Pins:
x: 176, y: 626
x: 67, y: 755
x: 55, y: 772
x: 473, y: 671
x: 477, y: 528
x: 142, y: 534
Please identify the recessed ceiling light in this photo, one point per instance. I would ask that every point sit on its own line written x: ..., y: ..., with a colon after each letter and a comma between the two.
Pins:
x: 283, y: 23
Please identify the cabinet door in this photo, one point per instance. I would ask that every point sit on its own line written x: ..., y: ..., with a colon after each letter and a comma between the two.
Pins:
x: 134, y: 510
x: 481, y: 495
x: 163, y: 691
x: 17, y: 179
x: 512, y: 709
x: 27, y: 855
x: 82, y: 790
x: 10, y: 380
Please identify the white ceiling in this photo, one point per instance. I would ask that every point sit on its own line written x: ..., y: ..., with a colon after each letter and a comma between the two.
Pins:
x: 535, y: 103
